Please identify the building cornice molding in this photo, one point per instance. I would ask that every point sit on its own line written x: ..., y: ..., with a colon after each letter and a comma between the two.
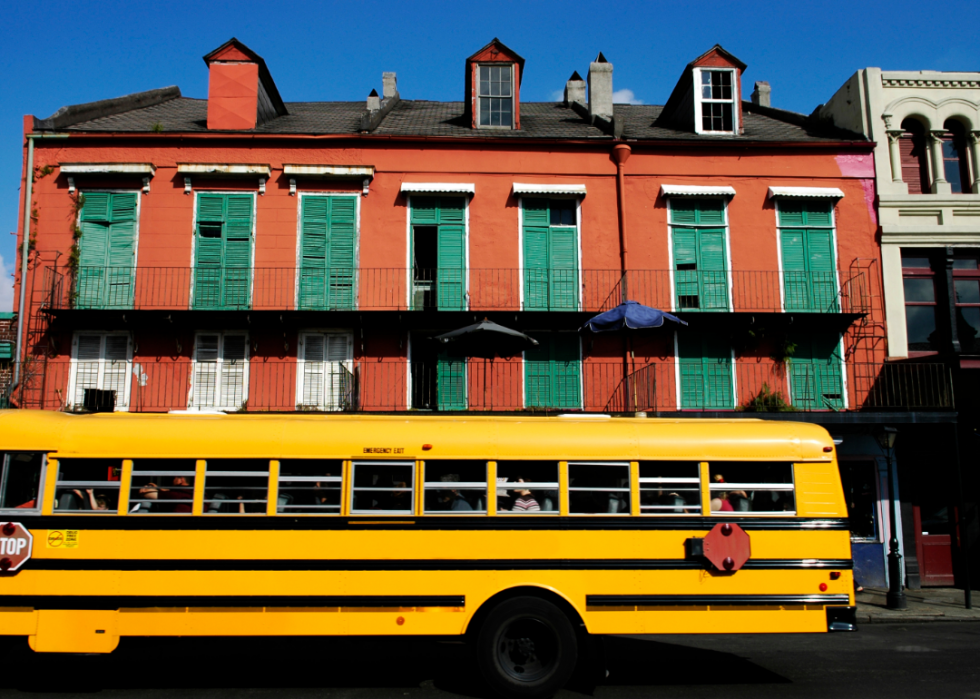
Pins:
x: 931, y: 83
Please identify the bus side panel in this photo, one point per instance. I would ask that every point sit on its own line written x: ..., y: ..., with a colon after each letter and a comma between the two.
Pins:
x: 818, y: 490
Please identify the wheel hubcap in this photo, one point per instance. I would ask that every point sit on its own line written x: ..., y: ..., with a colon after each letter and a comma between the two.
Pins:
x: 527, y: 649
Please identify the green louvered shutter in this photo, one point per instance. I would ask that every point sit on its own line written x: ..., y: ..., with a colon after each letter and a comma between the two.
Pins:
x: 712, y: 269
x: 450, y: 271
x: 122, y: 250
x: 563, y: 265
x: 536, y: 273
x: 683, y: 211
x: 686, y: 268
x: 816, y: 374
x: 566, y: 371
x: 208, y: 251
x: 792, y: 213
x: 710, y: 212
x: 538, y: 375
x: 343, y: 222
x: 425, y: 210
x: 93, y: 250
x: 238, y: 251
x: 705, y: 372
x: 795, y: 286
x: 313, y: 254
x: 450, y: 382
x: 820, y: 259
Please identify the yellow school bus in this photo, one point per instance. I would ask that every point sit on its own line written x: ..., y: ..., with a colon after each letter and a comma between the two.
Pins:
x: 525, y: 535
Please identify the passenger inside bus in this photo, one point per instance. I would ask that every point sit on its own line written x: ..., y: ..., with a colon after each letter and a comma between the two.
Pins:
x: 96, y: 502
x: 525, y: 501
x: 542, y: 477
x: 181, y: 495
x: 455, y: 486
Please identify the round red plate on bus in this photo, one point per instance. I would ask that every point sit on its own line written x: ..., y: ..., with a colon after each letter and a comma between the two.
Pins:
x: 15, y: 546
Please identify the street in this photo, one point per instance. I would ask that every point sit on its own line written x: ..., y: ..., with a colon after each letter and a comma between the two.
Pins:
x: 881, y: 660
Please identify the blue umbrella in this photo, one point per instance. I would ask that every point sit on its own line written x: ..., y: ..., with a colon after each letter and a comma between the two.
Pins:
x: 629, y: 314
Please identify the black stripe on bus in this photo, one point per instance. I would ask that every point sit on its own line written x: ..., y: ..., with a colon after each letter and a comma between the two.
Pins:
x: 243, y: 601
x: 286, y: 565
x: 710, y: 600
x: 427, y: 523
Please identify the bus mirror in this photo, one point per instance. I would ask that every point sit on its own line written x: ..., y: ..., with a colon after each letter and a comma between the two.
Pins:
x: 694, y: 548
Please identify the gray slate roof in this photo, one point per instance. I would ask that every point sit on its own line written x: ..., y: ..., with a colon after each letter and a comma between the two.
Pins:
x: 539, y: 120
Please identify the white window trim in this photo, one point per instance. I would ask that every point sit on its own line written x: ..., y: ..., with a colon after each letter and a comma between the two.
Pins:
x: 73, y: 373
x: 520, y: 246
x: 670, y: 254
x: 255, y: 223
x: 698, y: 101
x: 299, y: 241
x: 301, y: 364
x: 222, y: 334
x: 513, y: 96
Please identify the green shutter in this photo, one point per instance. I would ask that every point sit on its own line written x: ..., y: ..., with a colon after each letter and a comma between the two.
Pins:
x: 792, y: 213
x: 327, y: 253
x: 816, y: 374
x: 705, y: 365
x: 700, y: 268
x: 425, y: 210
x: 552, y: 373
x: 223, y: 251
x: 809, y: 265
x: 107, y: 250
x: 697, y: 211
x: 343, y: 225
x: 313, y: 253
x: 550, y: 260
x: 795, y: 286
x: 820, y: 259
x: 450, y: 382
x: 450, y: 271
x: 683, y: 210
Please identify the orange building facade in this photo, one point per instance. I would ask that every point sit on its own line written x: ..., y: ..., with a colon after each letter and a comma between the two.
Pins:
x: 243, y: 253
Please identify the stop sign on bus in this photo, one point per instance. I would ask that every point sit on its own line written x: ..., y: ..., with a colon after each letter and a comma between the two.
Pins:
x: 15, y: 546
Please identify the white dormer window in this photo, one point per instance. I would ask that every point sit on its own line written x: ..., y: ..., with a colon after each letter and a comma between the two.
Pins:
x: 715, y: 98
x: 496, y: 96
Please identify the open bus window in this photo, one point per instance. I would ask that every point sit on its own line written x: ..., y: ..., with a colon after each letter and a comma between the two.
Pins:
x: 455, y: 487
x: 383, y: 487
x: 20, y: 480
x: 88, y: 485
x: 670, y: 488
x: 596, y: 488
x: 525, y: 487
x: 746, y: 486
x: 236, y: 486
x: 162, y: 487
x: 310, y: 486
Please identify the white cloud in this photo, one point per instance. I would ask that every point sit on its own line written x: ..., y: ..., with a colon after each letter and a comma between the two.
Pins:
x: 625, y: 97
x: 558, y: 96
x: 6, y: 286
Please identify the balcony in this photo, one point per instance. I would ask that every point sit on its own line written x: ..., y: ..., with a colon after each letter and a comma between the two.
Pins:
x: 391, y: 385
x: 456, y: 289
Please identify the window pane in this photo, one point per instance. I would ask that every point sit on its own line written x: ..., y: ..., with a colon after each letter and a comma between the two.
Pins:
x: 968, y: 327
x: 310, y: 486
x: 951, y: 165
x: 162, y: 486
x: 20, y: 480
x: 965, y: 263
x: 919, y: 290
x: 236, y: 486
x: 384, y: 487
x: 670, y: 488
x: 484, y: 111
x: 598, y: 489
x: 562, y: 212
x: 88, y: 485
x: 967, y: 290
x: 916, y: 262
x: 485, y: 73
x: 537, y: 486
x: 455, y: 486
x: 751, y: 487
x: 920, y: 323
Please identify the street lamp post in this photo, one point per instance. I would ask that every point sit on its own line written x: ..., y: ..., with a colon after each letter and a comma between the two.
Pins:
x: 896, y: 589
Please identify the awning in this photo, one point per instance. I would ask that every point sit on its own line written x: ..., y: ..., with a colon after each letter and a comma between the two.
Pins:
x: 223, y: 169
x: 576, y: 189
x: 453, y: 187
x: 823, y: 192
x: 73, y: 170
x: 691, y: 190
x: 328, y: 171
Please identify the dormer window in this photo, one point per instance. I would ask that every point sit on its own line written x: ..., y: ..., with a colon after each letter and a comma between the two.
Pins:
x: 496, y: 96
x: 715, y: 101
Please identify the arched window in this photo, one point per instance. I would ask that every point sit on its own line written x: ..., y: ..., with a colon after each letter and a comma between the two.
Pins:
x: 954, y: 157
x: 915, y: 157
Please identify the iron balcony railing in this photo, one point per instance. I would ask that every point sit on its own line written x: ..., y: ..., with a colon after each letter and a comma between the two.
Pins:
x: 452, y: 289
x: 591, y: 385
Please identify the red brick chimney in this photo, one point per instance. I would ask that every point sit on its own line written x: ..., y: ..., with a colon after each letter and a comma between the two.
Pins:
x: 241, y: 93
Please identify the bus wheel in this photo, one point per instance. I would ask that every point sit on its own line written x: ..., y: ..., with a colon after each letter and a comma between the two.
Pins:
x: 526, y: 648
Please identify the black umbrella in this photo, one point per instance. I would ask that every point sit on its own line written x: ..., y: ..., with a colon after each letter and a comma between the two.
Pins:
x: 486, y: 339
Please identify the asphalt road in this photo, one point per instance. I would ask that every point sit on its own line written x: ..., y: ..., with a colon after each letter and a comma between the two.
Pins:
x: 894, y: 661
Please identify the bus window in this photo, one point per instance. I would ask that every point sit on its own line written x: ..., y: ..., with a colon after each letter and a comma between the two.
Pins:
x: 236, y: 486
x: 88, y: 485
x: 383, y: 487
x: 455, y: 487
x: 599, y: 488
x: 670, y: 488
x: 20, y: 480
x: 747, y: 486
x: 527, y: 487
x: 310, y: 486
x: 162, y: 486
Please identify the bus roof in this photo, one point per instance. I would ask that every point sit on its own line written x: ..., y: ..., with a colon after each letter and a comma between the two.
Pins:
x: 127, y: 435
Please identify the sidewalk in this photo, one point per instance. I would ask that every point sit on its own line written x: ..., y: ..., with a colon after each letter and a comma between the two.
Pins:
x: 929, y: 604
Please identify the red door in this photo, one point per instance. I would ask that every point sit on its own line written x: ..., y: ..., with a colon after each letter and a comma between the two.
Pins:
x: 933, y: 545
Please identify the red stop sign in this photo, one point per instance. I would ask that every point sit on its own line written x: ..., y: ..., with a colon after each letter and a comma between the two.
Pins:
x: 15, y: 546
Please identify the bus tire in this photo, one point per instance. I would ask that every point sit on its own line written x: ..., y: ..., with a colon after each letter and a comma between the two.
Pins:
x: 526, y: 647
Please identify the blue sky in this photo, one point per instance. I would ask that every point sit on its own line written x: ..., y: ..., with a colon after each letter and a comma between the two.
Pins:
x: 58, y: 53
